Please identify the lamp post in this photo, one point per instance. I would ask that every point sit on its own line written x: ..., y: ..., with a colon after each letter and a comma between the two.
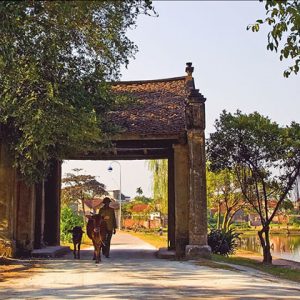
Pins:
x: 120, y: 193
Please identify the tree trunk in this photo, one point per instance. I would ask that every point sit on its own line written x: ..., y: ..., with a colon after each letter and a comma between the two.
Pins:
x: 225, y: 221
x: 264, y: 237
x: 83, y: 209
x: 219, y: 217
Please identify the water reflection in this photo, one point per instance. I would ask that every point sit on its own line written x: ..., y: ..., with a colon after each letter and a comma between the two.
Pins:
x: 283, y: 246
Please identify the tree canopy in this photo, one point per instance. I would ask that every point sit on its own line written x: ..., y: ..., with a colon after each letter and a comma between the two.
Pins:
x: 79, y: 187
x: 284, y: 36
x: 55, y: 60
x: 265, y: 158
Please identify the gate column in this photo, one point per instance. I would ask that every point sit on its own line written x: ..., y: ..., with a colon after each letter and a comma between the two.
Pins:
x: 39, y: 215
x: 195, y: 117
x: 181, y: 185
x: 52, y: 206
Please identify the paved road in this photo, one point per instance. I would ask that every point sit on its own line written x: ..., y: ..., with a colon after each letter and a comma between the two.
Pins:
x: 133, y: 272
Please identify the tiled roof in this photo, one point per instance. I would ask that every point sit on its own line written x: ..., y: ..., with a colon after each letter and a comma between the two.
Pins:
x: 96, y: 203
x: 140, y: 207
x: 159, y: 107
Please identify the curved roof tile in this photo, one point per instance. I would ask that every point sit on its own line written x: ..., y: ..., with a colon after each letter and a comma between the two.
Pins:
x: 159, y: 108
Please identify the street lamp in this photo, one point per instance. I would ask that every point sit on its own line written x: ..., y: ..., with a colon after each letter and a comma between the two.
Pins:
x: 110, y: 168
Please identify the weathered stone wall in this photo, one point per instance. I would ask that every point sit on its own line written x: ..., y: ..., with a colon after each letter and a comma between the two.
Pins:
x: 7, y: 201
x: 25, y: 217
x: 17, y: 210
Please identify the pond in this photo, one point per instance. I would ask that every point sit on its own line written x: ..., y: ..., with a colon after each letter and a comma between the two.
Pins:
x: 283, y: 245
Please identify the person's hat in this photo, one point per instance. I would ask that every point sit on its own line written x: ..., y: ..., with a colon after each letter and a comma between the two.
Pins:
x: 106, y: 200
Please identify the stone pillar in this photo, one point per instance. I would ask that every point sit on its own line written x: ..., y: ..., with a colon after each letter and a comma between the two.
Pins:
x: 181, y: 184
x: 7, y: 204
x: 52, y: 206
x: 171, y: 204
x: 195, y: 116
x: 39, y: 215
x: 25, y: 217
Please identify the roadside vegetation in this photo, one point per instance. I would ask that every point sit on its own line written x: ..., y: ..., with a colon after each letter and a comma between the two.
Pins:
x: 261, y: 160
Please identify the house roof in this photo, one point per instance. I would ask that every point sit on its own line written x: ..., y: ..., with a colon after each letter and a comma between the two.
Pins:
x: 96, y: 203
x: 93, y: 203
x: 140, y: 207
x: 159, y: 108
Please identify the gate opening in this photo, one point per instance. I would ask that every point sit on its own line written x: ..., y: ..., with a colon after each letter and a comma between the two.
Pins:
x: 139, y: 190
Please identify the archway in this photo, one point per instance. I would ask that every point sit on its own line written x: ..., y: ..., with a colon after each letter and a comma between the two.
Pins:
x: 167, y: 121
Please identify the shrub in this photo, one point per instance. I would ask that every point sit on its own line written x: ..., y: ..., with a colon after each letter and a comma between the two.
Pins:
x: 68, y: 220
x: 212, y: 222
x: 295, y: 221
x: 223, y: 242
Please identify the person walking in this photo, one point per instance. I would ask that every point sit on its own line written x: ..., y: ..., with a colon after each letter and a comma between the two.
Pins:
x: 108, y: 214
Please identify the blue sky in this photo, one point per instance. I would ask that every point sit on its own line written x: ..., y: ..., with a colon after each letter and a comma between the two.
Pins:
x: 233, y: 69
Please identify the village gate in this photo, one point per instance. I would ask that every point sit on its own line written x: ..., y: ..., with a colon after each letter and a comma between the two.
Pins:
x: 167, y: 121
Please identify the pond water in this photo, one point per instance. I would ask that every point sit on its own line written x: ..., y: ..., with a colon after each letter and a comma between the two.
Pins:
x: 283, y: 245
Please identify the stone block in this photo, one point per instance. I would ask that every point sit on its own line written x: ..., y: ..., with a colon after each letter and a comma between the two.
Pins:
x: 197, y: 251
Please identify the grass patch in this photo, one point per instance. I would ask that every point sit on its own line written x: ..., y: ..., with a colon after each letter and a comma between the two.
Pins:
x: 152, y: 238
x: 282, y: 272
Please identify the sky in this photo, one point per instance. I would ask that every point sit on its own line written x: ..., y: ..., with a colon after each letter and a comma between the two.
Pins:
x: 232, y: 69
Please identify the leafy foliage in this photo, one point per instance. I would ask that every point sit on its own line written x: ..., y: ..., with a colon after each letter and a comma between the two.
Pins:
x: 265, y: 159
x: 223, y: 193
x: 55, y: 60
x: 127, y: 208
x: 79, y: 188
x: 222, y: 242
x: 159, y: 169
x: 68, y: 220
x: 284, y: 19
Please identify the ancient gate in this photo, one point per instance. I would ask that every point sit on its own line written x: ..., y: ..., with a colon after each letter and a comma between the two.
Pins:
x: 167, y: 121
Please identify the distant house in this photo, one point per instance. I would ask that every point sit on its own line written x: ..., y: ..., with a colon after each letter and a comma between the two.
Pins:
x: 94, y: 204
x: 142, y: 217
x: 115, y: 194
x: 253, y: 218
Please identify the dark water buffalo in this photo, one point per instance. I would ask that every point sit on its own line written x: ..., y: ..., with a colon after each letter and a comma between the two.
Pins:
x: 76, y: 238
x: 96, y: 230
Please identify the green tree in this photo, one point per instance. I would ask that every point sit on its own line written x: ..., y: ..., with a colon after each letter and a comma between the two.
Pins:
x: 78, y: 187
x: 223, y: 193
x: 265, y: 159
x: 159, y: 169
x: 55, y: 60
x: 68, y: 220
x: 284, y: 19
x: 142, y: 199
x: 139, y: 191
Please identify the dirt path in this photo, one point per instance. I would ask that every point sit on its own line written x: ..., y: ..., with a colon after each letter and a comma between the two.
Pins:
x: 133, y: 272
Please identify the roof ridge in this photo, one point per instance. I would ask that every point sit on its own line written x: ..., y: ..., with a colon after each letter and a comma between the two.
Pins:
x: 149, y: 81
